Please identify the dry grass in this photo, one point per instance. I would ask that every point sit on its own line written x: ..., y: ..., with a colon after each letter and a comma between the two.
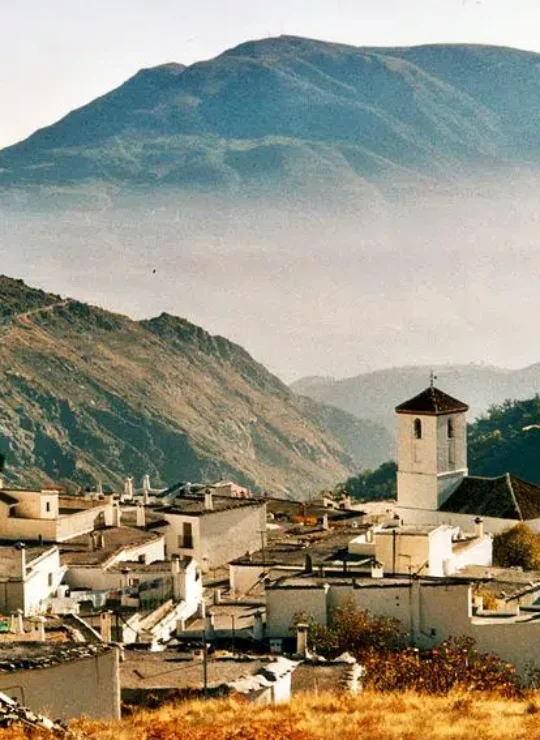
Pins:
x: 310, y: 717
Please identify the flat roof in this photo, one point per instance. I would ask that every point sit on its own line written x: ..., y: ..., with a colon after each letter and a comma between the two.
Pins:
x: 76, y: 551
x: 420, y: 530
x: 23, y: 656
x: 195, y: 505
x: 321, y: 545
x: 10, y: 555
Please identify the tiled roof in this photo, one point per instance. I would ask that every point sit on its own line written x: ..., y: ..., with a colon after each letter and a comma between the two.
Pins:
x: 505, y: 497
x: 432, y: 402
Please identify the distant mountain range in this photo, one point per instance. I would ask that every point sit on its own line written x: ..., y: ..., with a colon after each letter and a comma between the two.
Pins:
x: 374, y: 395
x: 89, y: 395
x: 295, y: 115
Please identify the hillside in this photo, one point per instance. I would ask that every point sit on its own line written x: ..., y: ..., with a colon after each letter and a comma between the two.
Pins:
x: 375, y: 395
x: 294, y: 114
x: 88, y: 395
x: 388, y: 716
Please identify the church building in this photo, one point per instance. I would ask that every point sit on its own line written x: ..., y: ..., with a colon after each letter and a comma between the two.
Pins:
x: 433, y: 482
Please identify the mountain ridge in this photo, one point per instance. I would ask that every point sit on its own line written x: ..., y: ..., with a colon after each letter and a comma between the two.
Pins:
x: 374, y: 395
x: 90, y: 395
x: 296, y: 114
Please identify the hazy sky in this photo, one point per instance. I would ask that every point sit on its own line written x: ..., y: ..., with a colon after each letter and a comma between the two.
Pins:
x: 56, y: 55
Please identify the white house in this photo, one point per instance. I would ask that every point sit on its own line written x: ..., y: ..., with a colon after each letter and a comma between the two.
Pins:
x: 47, y: 516
x: 428, y: 549
x: 28, y: 577
x: 213, y: 529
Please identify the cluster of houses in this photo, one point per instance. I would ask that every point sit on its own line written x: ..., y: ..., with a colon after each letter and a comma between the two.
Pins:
x: 84, y: 578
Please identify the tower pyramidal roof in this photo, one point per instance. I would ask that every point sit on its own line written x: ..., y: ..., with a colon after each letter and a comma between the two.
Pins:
x: 432, y: 402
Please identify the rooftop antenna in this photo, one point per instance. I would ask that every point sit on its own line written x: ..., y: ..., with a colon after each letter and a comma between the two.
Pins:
x: 432, y: 379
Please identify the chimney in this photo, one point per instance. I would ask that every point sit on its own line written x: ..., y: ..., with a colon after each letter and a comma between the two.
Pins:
x: 99, y: 488
x: 128, y: 488
x: 105, y: 626
x: 302, y: 639
x: 21, y: 547
x: 117, y: 516
x: 41, y: 629
x: 175, y: 564
x: 377, y: 569
x: 141, y: 516
x: 479, y: 527
x: 308, y: 567
x: 325, y: 524
x: 124, y: 580
x: 208, y: 501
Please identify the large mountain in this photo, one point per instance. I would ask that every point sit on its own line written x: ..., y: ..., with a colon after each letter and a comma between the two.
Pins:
x: 89, y: 395
x: 375, y: 395
x: 297, y: 114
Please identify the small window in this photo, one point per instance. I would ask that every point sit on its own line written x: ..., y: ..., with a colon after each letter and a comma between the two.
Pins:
x: 187, y: 531
x: 450, y: 429
x: 417, y: 428
x: 48, y: 506
x: 49, y: 580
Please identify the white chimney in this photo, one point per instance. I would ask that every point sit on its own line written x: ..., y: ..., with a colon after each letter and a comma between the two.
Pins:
x: 479, y: 527
x: 1, y: 481
x: 302, y: 639
x: 128, y: 488
x: 99, y: 488
x: 117, y: 516
x: 208, y: 501
x: 21, y: 547
x: 141, y: 516
x: 105, y: 625
x: 377, y: 569
x: 325, y: 524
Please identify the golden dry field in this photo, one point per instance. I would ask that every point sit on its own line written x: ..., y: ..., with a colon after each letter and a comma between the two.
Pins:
x: 310, y: 717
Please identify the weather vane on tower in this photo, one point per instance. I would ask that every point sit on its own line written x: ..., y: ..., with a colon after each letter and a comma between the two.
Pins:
x: 432, y: 379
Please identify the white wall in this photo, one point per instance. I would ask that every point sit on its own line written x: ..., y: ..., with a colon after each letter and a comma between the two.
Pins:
x: 218, y: 536
x: 284, y: 604
x: 69, y: 690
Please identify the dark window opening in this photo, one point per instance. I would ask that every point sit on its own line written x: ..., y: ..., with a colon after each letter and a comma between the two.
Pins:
x: 417, y: 429
x: 450, y: 429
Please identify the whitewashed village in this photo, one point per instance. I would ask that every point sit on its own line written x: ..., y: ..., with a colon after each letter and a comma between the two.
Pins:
x: 205, y: 589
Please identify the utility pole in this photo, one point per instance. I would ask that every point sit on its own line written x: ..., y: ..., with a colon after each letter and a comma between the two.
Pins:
x: 205, y: 663
x: 263, y: 543
x: 233, y: 621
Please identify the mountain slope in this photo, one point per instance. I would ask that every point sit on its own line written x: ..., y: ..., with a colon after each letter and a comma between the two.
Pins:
x: 88, y: 394
x: 375, y: 395
x: 293, y: 113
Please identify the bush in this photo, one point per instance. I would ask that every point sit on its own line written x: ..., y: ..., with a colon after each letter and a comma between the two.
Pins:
x: 518, y: 546
x: 377, y: 643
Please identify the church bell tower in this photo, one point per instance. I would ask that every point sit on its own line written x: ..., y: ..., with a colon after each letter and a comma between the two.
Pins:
x: 432, y: 448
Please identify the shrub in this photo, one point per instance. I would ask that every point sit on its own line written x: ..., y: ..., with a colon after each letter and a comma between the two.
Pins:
x: 518, y: 546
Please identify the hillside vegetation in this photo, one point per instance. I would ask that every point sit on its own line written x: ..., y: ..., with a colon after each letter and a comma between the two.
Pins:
x: 90, y: 395
x: 407, y: 716
x: 296, y: 115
